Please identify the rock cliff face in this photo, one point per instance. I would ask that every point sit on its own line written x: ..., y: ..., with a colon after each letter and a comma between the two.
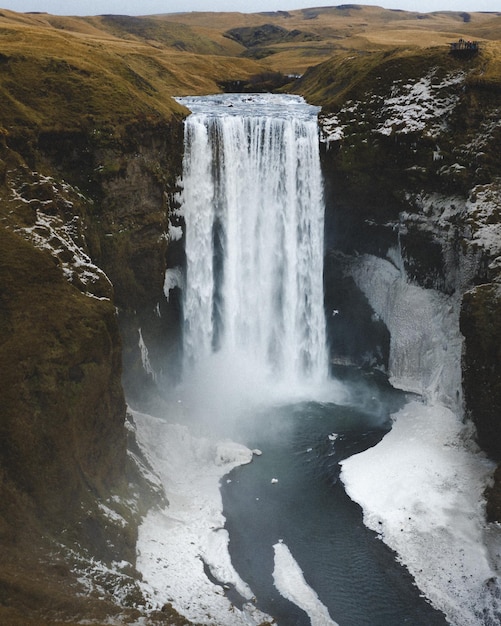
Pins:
x: 412, y: 169
x: 82, y: 236
x: 131, y: 179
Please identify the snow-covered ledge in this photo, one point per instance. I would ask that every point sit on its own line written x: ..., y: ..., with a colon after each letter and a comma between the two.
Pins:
x: 421, y: 488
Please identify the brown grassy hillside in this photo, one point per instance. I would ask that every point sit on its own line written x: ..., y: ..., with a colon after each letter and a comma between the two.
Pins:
x: 60, y: 72
x: 347, y: 28
x: 122, y: 66
x: 344, y: 77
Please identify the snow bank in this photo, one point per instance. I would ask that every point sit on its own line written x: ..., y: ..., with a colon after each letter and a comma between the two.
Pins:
x: 420, y: 489
x: 331, y: 129
x: 290, y: 582
x: 178, y: 544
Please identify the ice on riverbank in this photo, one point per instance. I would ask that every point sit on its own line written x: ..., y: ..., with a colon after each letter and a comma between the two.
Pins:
x: 421, y: 490
x: 422, y: 487
x: 179, y: 545
x: 289, y: 580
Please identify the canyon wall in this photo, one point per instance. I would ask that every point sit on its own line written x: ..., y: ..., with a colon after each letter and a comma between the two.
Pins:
x: 90, y: 150
x: 413, y: 189
x: 83, y: 253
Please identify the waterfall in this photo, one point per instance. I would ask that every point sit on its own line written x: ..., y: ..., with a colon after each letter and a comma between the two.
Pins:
x: 252, y: 200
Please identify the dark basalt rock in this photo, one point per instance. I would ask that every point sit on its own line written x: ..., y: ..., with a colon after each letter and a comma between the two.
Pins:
x: 481, y: 327
x: 415, y: 189
x: 132, y: 181
x: 354, y: 334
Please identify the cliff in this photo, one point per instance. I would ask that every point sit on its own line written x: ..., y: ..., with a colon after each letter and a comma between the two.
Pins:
x: 412, y: 177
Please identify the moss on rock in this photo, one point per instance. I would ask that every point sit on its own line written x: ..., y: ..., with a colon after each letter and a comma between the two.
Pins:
x: 63, y: 408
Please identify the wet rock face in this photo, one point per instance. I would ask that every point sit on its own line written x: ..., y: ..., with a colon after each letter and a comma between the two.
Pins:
x: 130, y: 179
x: 136, y: 247
x: 354, y: 333
x: 131, y: 231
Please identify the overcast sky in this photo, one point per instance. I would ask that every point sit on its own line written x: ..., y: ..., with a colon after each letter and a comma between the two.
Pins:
x: 145, y: 7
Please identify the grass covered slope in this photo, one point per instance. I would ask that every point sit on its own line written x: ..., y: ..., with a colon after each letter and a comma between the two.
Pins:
x: 62, y: 413
x: 397, y: 45
x: 58, y: 383
x: 65, y: 72
x: 312, y: 35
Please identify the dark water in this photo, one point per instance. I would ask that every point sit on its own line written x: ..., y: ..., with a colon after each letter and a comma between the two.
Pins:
x: 353, y: 573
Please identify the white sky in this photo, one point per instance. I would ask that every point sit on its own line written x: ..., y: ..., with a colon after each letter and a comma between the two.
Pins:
x: 145, y: 7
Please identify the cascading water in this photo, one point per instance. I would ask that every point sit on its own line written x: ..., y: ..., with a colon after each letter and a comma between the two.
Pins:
x: 252, y: 201
x: 256, y: 369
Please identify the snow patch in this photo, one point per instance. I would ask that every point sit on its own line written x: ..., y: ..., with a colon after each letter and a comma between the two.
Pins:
x: 289, y: 580
x: 62, y: 238
x: 484, y: 213
x: 112, y: 515
x: 50, y: 233
x: 177, y: 543
x: 331, y: 129
x: 145, y: 358
x: 420, y: 489
x: 173, y: 278
x: 419, y: 105
x: 229, y: 452
x: 175, y: 232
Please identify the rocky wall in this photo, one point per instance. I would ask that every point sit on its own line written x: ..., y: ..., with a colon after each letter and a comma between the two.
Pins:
x: 84, y: 245
x: 131, y: 231
x: 414, y: 166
